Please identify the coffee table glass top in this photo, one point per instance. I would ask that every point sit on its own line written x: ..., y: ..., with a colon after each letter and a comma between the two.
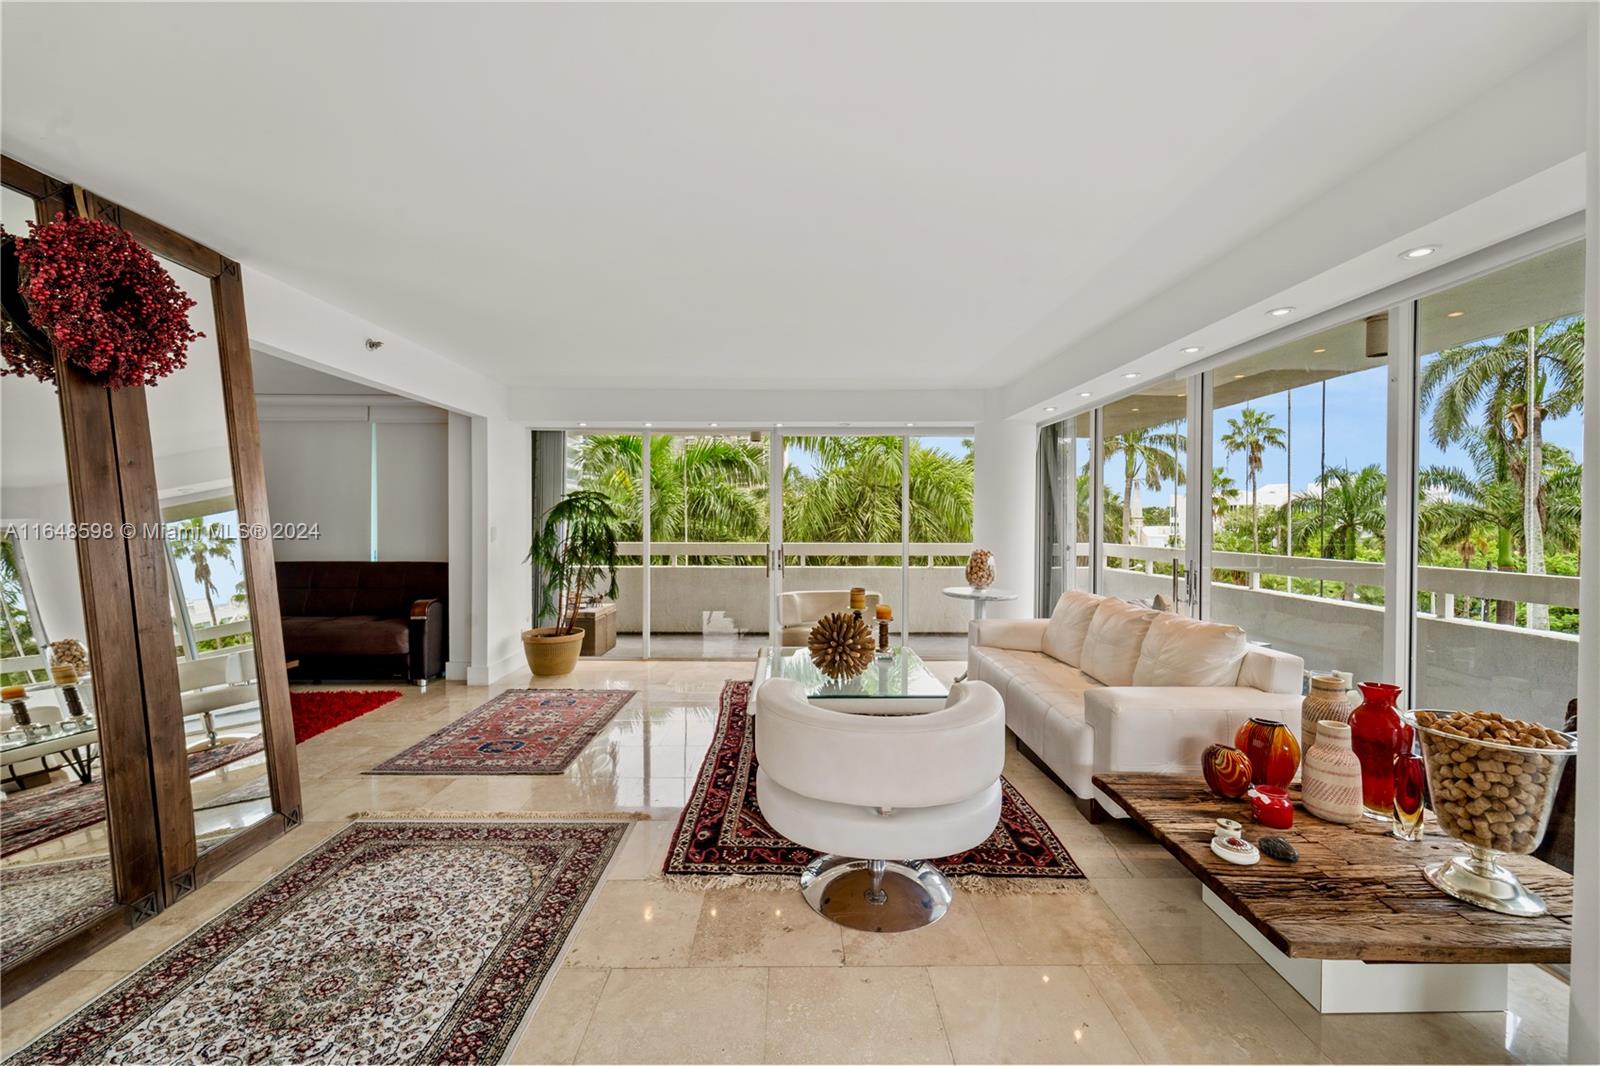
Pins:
x: 900, y: 675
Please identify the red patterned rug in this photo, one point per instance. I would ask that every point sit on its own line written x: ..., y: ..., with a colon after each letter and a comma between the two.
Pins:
x: 520, y: 731
x: 316, y: 711
x: 392, y: 942
x: 722, y: 832
x: 36, y: 815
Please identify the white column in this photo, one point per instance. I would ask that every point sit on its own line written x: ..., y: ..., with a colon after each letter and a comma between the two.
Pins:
x: 1003, y: 518
x: 1583, y: 1039
x: 458, y: 496
x: 502, y: 528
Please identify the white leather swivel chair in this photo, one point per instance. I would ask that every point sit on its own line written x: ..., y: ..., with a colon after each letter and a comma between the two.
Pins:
x: 799, y: 611
x: 874, y: 793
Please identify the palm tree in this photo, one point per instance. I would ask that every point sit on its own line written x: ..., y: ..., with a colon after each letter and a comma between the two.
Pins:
x: 1511, y: 384
x: 852, y: 495
x: 1151, y: 456
x: 1223, y: 490
x: 1345, y: 509
x: 1466, y: 506
x: 199, y: 543
x: 702, y: 488
x: 1251, y: 434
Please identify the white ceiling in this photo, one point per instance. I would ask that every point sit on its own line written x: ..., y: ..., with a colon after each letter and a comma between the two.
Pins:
x: 761, y: 196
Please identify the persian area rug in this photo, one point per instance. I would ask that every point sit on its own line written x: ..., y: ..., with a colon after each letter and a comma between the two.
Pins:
x: 36, y: 815
x: 316, y: 711
x: 41, y: 901
x: 722, y: 832
x: 392, y: 942
x: 520, y: 731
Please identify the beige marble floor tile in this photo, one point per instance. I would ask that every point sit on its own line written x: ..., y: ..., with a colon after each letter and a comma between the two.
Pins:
x: 384, y: 792
x: 738, y: 927
x: 1200, y: 1014
x: 1372, y: 1038
x: 1027, y: 1014
x: 39, y: 1010
x: 1172, y: 924
x: 1055, y: 929
x: 642, y: 854
x: 138, y: 946
x: 484, y: 793
x: 866, y: 1014
x: 636, y: 923
x: 556, y: 1027
x: 704, y: 1014
x: 957, y: 939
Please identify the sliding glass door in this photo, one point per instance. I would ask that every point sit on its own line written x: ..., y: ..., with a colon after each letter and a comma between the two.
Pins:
x: 1144, y: 453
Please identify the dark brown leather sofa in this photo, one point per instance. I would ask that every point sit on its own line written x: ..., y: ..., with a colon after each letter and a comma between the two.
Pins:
x: 363, y: 620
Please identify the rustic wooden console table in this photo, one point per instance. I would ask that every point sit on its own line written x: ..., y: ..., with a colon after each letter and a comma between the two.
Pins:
x: 1353, y: 926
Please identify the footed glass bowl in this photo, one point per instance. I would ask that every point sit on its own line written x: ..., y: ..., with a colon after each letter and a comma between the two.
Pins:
x: 1495, y: 798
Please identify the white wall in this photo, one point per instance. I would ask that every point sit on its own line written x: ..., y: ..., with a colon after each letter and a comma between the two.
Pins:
x: 1004, y: 483
x: 1583, y: 1042
x: 319, y: 472
x: 502, y: 507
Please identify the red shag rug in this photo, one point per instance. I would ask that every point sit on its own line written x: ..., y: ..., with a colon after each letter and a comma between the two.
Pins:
x: 520, y: 731
x: 316, y: 711
x: 398, y: 941
x: 722, y: 832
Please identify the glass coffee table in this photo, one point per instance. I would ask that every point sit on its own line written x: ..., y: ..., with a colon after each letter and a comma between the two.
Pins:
x: 898, y: 682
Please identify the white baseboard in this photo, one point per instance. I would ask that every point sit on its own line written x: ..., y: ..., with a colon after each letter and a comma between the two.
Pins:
x: 483, y: 675
x: 455, y: 671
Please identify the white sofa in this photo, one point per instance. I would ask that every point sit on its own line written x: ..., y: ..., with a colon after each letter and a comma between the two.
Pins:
x: 799, y: 611
x: 1106, y: 686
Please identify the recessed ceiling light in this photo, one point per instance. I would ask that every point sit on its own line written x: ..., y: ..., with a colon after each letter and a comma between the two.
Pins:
x: 1279, y: 312
x: 1047, y: 410
x: 1318, y: 351
x: 714, y: 425
x: 1130, y: 375
x: 1455, y: 314
x: 1193, y: 349
x: 909, y: 424
x: 778, y: 424
x: 582, y: 424
x: 1421, y: 252
x: 1085, y: 395
x: 1135, y: 410
x: 1238, y: 377
x: 647, y: 425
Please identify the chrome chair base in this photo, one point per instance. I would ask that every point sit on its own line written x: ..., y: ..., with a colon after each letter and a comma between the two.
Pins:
x: 876, y: 895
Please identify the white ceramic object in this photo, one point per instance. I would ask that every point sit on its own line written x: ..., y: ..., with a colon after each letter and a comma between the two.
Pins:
x: 1236, y: 850
x: 1329, y: 698
x: 1227, y: 827
x: 1330, y: 776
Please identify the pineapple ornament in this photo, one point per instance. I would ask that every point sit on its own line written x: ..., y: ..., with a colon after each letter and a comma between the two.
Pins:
x: 980, y: 568
x: 841, y: 645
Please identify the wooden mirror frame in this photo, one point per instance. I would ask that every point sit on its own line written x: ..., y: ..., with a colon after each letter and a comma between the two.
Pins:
x: 128, y: 612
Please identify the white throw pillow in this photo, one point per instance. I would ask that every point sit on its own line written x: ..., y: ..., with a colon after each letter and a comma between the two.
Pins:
x: 1111, y: 647
x: 1187, y: 651
x: 1069, y: 624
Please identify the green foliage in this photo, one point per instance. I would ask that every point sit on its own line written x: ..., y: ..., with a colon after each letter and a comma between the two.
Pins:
x: 574, y: 545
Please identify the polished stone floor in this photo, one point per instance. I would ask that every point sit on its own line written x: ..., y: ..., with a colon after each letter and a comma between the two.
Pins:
x: 1132, y: 968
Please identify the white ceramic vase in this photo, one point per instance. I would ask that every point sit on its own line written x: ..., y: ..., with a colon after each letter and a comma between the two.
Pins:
x: 1330, y: 776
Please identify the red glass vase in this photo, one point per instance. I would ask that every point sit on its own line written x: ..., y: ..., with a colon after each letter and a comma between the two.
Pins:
x: 1272, y: 749
x: 1375, y: 736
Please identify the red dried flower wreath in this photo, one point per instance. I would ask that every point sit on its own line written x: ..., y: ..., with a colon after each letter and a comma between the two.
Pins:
x: 105, y: 302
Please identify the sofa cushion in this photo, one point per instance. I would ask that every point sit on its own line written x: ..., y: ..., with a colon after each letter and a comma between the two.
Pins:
x: 1069, y: 624
x: 1111, y: 647
x: 308, y: 636
x: 1187, y: 651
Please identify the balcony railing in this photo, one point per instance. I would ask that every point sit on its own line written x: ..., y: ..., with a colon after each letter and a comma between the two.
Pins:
x: 922, y: 553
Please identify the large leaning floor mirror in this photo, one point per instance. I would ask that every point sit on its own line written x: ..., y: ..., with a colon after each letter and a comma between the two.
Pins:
x: 212, y: 634
x: 146, y: 736
x: 55, y: 860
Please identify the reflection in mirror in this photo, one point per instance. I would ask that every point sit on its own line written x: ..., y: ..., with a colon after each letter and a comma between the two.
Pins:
x: 55, y: 855
x: 212, y: 633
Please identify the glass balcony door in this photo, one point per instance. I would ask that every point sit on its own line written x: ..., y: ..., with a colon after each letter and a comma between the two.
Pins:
x: 1146, y: 554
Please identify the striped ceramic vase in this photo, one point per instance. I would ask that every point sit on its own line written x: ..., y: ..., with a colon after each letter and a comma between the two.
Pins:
x: 1330, y: 777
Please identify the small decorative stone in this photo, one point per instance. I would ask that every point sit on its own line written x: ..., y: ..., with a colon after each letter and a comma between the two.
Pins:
x: 1279, y: 848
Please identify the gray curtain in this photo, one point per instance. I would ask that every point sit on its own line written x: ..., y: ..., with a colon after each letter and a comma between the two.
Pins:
x: 1056, y: 534
x: 549, y: 485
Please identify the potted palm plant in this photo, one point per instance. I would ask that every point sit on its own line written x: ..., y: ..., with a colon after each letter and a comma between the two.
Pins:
x: 575, y: 547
